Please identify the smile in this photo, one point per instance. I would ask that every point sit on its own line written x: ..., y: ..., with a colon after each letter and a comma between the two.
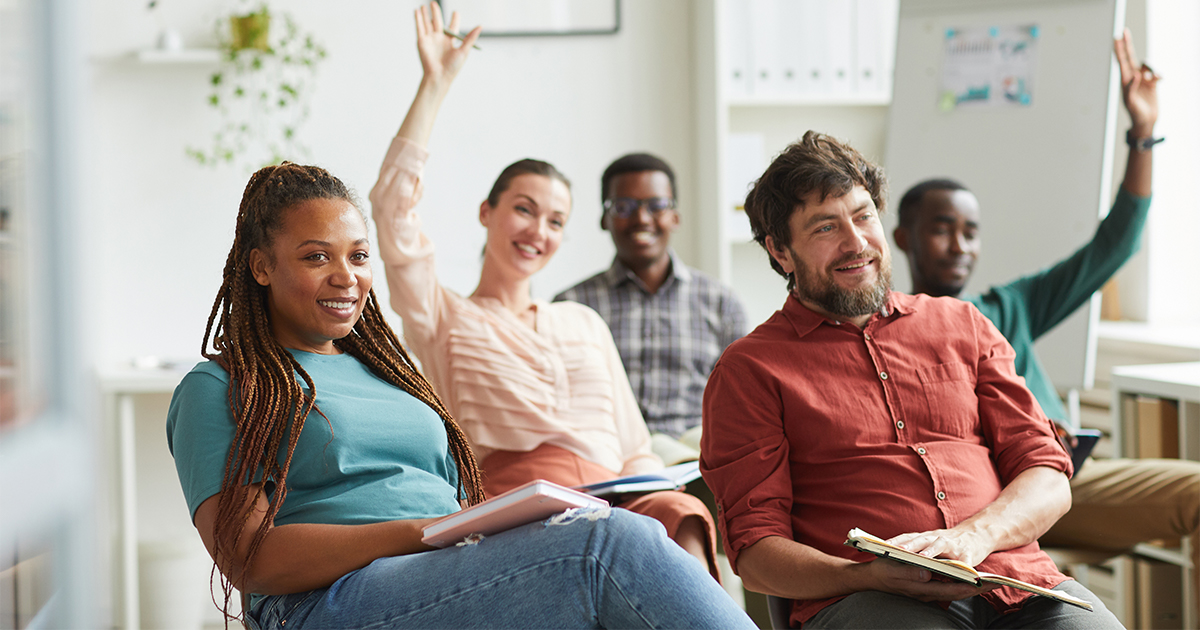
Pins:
x: 855, y: 266
x: 529, y: 249
x: 643, y: 237
x: 341, y: 306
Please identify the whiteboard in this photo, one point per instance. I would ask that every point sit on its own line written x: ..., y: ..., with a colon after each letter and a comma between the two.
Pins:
x: 1042, y: 171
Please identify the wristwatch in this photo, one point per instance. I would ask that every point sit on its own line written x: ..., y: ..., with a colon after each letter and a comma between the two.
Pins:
x: 1141, y: 144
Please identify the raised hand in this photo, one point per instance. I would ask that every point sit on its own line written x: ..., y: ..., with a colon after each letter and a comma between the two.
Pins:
x: 1138, y: 86
x: 441, y: 58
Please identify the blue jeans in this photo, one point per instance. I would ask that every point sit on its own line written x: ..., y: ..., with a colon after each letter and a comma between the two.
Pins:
x: 597, y: 569
x: 873, y: 609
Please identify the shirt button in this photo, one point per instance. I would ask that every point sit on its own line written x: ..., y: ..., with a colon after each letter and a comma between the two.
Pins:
x: 921, y: 451
x: 866, y: 336
x: 899, y: 424
x: 941, y: 496
x: 883, y: 375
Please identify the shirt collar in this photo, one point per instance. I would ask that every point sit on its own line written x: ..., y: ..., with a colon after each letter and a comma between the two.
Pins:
x: 804, y: 320
x: 618, y: 273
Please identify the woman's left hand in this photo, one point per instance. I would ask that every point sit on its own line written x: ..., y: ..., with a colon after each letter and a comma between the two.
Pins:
x: 441, y: 59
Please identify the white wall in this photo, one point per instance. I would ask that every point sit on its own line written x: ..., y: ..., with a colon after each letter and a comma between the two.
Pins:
x: 162, y: 225
x: 1173, y: 229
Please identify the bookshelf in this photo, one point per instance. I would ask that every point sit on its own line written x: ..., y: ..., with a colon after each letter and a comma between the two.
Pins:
x: 755, y: 95
x: 1177, y: 386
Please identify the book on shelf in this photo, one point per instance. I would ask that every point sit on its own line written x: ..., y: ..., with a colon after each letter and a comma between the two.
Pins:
x: 533, y: 501
x: 953, y: 569
x: 669, y: 478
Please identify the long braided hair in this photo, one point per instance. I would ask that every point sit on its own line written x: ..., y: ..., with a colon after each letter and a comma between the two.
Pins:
x: 268, y: 404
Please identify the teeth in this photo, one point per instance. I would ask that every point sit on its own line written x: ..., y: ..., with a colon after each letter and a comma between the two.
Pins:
x: 530, y: 249
x: 858, y: 266
x: 643, y: 237
x: 338, y: 305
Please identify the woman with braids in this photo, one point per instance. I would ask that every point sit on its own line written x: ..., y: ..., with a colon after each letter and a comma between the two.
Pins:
x: 312, y: 454
x: 538, y: 387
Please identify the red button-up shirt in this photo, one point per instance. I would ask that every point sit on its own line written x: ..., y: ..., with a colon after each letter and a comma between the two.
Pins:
x: 913, y: 423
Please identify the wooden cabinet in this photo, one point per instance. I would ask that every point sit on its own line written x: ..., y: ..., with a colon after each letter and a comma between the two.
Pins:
x: 1147, y: 401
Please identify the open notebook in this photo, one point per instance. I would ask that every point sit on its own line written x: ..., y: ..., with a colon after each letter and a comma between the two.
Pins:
x: 954, y: 569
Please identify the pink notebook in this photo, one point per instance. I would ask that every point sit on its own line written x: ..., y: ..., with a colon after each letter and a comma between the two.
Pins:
x: 531, y: 502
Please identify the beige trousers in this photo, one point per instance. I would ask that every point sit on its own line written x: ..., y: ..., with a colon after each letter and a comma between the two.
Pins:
x: 1117, y: 503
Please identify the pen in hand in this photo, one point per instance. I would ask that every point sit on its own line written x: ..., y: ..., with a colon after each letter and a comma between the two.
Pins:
x: 459, y: 38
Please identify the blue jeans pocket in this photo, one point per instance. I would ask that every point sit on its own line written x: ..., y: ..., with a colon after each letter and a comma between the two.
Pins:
x: 276, y: 610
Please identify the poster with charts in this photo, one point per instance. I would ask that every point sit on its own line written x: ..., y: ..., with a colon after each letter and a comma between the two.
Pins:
x: 989, y: 67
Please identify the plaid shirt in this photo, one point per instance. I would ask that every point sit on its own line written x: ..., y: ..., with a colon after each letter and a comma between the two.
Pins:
x: 669, y: 340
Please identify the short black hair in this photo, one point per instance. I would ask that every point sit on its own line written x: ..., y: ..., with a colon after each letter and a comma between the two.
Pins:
x: 635, y: 163
x: 912, y: 198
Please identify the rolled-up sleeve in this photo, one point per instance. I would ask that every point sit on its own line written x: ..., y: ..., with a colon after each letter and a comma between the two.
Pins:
x: 1014, y: 425
x: 744, y: 454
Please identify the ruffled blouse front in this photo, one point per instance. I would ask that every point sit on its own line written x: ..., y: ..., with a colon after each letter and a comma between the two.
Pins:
x: 509, y: 386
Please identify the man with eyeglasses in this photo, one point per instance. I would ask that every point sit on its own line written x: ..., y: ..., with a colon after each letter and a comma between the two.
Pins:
x: 670, y: 322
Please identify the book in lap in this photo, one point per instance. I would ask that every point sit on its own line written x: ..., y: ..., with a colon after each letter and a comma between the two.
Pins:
x: 533, y: 501
x: 953, y: 569
x: 669, y: 478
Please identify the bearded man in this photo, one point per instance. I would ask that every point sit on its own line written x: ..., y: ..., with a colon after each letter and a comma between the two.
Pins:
x: 855, y: 406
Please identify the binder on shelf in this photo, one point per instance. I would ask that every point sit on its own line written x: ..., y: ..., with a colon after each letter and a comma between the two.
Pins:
x: 788, y: 15
x: 814, y: 46
x: 839, y: 42
x: 744, y: 162
x: 874, y: 39
x: 765, y: 48
x: 737, y: 52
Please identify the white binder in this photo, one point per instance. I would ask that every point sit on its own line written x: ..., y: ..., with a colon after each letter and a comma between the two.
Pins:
x: 765, y: 47
x: 737, y: 52
x: 839, y: 42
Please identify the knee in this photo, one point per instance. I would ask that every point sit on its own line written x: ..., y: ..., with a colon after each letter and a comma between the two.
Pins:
x: 625, y: 524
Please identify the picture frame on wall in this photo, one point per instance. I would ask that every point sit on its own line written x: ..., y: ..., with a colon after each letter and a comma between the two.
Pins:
x: 538, y: 18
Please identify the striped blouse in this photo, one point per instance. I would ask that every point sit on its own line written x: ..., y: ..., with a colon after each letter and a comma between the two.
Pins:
x: 509, y: 386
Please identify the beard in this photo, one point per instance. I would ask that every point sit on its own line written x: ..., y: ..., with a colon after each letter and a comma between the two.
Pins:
x: 825, y: 293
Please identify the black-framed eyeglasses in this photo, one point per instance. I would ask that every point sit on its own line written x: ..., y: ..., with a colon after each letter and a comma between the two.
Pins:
x: 625, y: 207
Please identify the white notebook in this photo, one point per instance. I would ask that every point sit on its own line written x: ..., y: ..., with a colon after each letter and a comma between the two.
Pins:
x: 534, y: 501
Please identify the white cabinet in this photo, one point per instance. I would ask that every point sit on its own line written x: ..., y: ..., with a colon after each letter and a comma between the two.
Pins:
x: 766, y: 71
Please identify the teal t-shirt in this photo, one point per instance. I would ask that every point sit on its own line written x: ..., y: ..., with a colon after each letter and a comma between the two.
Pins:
x: 381, y: 456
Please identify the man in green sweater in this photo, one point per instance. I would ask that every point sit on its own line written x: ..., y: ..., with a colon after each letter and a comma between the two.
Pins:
x: 1117, y: 503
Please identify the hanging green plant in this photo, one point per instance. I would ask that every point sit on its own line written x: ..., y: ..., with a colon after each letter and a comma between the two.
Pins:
x: 261, y: 90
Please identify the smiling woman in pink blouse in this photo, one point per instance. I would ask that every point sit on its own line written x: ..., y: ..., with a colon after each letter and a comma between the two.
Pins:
x: 538, y: 388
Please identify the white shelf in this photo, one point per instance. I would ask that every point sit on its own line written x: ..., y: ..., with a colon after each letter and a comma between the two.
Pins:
x: 1172, y: 556
x: 184, y: 56
x: 811, y: 100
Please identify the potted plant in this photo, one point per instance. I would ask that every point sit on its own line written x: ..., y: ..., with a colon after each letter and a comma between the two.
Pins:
x: 260, y: 90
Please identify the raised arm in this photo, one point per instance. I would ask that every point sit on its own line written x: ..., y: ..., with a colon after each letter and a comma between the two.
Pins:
x: 303, y: 556
x: 1139, y: 91
x: 441, y: 60
x: 405, y: 251
x: 1053, y: 294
